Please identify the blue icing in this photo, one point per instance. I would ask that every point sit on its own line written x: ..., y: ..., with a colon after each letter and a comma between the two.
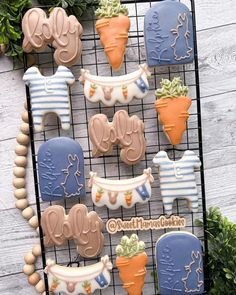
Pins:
x: 61, y: 169
x: 142, y: 85
x: 168, y: 32
x: 142, y: 190
x: 179, y: 264
x: 101, y: 280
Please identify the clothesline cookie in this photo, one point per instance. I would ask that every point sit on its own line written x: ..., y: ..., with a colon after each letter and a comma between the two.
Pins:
x: 49, y: 94
x: 110, y: 90
x: 177, y: 179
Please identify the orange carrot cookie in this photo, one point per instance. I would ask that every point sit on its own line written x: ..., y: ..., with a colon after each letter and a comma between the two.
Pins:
x: 172, y: 107
x: 113, y: 26
x: 131, y: 261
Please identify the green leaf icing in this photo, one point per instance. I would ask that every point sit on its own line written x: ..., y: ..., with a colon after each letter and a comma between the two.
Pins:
x: 130, y: 247
x: 171, y: 89
x: 110, y: 8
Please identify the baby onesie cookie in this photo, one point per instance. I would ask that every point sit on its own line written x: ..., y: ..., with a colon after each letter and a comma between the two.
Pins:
x: 61, y: 31
x: 168, y: 33
x: 177, y: 179
x: 79, y: 225
x: 179, y: 264
x: 78, y: 280
x: 131, y: 261
x: 113, y: 26
x: 123, y: 192
x: 110, y: 90
x: 127, y: 132
x: 172, y: 107
x: 61, y: 169
x: 49, y: 94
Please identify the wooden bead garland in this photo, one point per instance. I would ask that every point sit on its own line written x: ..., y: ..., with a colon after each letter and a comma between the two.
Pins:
x: 20, y: 194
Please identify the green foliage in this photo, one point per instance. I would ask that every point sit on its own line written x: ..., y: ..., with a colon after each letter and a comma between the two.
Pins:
x: 222, y: 253
x: 130, y: 247
x: 171, y: 89
x: 10, y: 28
x: 111, y: 8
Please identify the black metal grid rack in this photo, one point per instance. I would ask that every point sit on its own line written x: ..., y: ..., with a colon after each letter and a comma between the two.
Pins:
x: 110, y: 166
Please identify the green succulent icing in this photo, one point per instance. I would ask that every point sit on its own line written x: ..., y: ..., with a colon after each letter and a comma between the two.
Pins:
x: 110, y: 8
x: 130, y: 247
x: 171, y: 89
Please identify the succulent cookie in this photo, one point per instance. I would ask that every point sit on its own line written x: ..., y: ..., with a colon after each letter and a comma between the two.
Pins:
x: 78, y: 280
x: 177, y: 179
x: 168, y: 32
x: 131, y: 261
x: 179, y: 264
x: 172, y: 107
x: 49, y: 94
x: 113, y: 25
x: 61, y: 169
x: 122, y: 89
x: 84, y: 227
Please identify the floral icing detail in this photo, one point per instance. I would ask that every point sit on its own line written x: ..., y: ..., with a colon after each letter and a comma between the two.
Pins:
x: 171, y: 89
x: 111, y: 8
x: 130, y: 247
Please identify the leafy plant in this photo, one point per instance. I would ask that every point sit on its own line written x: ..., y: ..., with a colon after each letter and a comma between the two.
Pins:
x: 222, y: 253
x: 171, y: 89
x: 130, y: 247
x: 10, y: 26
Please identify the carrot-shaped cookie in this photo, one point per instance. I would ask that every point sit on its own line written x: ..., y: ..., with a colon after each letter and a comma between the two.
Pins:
x: 172, y: 107
x: 113, y: 26
x: 131, y: 261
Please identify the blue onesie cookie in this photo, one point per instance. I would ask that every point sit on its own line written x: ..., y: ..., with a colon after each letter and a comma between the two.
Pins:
x: 61, y: 169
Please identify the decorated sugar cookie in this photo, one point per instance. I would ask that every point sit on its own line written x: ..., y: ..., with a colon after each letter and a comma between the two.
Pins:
x: 84, y: 227
x: 110, y: 90
x: 61, y: 169
x: 49, y: 94
x: 179, y: 264
x: 131, y: 262
x: 168, y: 32
x: 125, y: 193
x: 78, y: 280
x: 172, y: 107
x: 177, y: 179
x: 113, y: 27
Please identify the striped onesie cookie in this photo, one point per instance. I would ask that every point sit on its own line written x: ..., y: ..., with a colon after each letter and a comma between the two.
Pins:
x: 177, y: 179
x: 49, y: 94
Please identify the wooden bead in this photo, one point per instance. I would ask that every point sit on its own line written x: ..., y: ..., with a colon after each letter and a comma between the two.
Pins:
x: 20, y: 193
x: 23, y: 139
x: 19, y: 172
x: 21, y: 150
x: 28, y: 269
x: 30, y: 258
x: 34, y: 279
x: 22, y: 204
x: 19, y: 182
x: 33, y: 222
x: 25, y: 117
x: 28, y: 213
x: 37, y: 250
x: 21, y: 161
x: 24, y: 128
x: 40, y: 287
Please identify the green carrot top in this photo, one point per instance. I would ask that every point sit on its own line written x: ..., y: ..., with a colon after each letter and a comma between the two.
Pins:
x: 130, y: 247
x: 110, y: 8
x: 171, y: 89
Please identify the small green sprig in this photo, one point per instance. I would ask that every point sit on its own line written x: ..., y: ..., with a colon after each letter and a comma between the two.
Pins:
x: 111, y: 8
x: 130, y: 247
x: 171, y: 89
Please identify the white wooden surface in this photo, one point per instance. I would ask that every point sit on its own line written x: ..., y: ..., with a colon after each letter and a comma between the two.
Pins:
x: 216, y: 28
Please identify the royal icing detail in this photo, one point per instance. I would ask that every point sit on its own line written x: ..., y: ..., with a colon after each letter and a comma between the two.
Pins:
x: 168, y: 41
x: 177, y: 179
x: 125, y: 193
x: 49, y: 94
x: 121, y: 89
x: 127, y: 132
x: 179, y: 264
x: 84, y: 227
x: 61, y: 169
x: 78, y: 280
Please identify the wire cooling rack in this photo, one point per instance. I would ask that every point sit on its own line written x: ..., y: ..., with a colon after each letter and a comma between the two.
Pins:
x: 94, y: 60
